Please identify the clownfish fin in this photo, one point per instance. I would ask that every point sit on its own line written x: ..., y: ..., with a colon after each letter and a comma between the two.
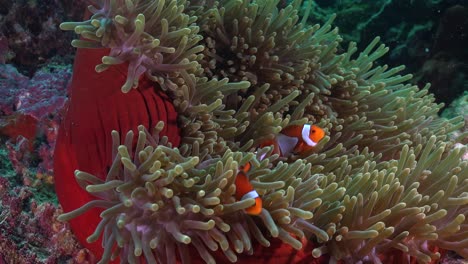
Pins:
x: 286, y: 144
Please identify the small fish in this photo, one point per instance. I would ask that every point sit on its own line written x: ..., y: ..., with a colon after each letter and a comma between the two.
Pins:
x: 295, y: 139
x: 292, y: 139
x: 244, y: 190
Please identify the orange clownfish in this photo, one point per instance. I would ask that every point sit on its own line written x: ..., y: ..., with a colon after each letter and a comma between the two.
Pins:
x: 295, y: 139
x: 292, y: 139
x: 244, y: 190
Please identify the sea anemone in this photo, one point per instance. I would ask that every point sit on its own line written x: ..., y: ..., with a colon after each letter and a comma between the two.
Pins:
x: 158, y: 201
x: 154, y: 37
x: 385, y: 184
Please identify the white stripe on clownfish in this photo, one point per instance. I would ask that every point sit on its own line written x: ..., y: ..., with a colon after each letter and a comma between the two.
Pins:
x: 250, y: 195
x: 306, y: 136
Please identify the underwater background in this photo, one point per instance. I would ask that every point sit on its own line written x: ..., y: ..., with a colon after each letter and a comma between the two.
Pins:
x: 430, y: 37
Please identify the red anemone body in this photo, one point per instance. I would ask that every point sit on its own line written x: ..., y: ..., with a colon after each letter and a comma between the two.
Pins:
x: 96, y: 107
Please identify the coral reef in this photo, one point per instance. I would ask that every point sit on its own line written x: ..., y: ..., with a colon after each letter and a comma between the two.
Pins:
x: 386, y: 185
x: 29, y: 114
x: 30, y: 35
x: 30, y: 110
x: 30, y: 232
x: 42, y: 95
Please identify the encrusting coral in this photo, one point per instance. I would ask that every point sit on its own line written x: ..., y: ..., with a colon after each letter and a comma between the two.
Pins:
x: 385, y: 185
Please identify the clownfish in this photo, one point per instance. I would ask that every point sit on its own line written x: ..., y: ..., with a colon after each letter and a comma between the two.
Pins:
x: 292, y: 139
x: 244, y: 190
x: 295, y: 139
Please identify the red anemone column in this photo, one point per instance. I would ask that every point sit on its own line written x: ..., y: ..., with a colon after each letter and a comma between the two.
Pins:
x: 96, y: 107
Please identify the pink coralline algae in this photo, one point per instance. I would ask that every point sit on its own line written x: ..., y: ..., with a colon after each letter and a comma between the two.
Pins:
x: 30, y: 232
x: 39, y: 96
x: 30, y: 112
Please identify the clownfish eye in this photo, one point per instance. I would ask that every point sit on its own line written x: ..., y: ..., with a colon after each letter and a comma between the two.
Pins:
x: 313, y: 130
